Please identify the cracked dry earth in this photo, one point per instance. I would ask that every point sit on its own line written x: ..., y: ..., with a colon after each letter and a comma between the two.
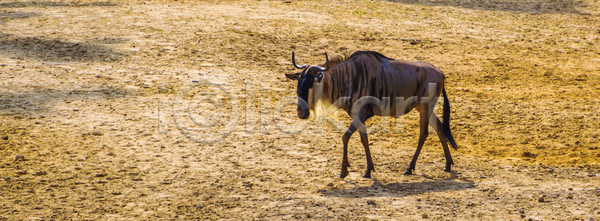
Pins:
x: 101, y: 111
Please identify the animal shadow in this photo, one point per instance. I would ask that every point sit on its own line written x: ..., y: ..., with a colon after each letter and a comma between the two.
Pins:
x: 44, y: 49
x: 397, y: 190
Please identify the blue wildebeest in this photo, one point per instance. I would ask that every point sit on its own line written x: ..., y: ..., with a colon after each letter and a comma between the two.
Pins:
x: 369, y: 74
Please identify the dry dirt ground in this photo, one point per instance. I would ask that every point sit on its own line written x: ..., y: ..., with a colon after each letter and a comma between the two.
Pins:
x: 104, y: 110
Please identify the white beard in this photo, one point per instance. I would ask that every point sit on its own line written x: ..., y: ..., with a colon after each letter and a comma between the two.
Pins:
x: 322, y: 109
x: 320, y: 106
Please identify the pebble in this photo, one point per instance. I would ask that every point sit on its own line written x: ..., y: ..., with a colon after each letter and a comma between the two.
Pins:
x: 370, y: 202
x: 199, y: 207
x: 425, y: 216
x: 521, y: 211
x: 330, y: 184
x: 541, y: 200
x: 523, y: 215
x: 5, y: 138
x: 288, y: 198
x: 110, y: 154
x: 19, y: 157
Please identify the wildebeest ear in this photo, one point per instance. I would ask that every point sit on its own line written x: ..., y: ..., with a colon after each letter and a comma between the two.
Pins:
x: 293, y: 76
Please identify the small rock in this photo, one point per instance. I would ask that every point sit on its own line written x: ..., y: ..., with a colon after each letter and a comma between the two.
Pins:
x: 521, y: 211
x: 41, y: 173
x: 523, y: 215
x: 287, y: 2
x: 482, y: 176
x: 370, y: 202
x: 536, y: 219
x: 110, y: 154
x: 199, y: 207
x: 330, y: 184
x: 591, y: 219
x: 570, y: 196
x: 19, y: 157
x: 425, y: 216
x: 541, y: 199
x: 418, y: 207
x: 570, y: 188
x: 5, y: 138
x: 6, y: 178
x: 288, y: 198
x: 530, y: 219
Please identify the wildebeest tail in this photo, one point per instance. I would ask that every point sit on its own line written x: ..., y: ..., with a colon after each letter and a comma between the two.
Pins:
x: 446, y: 123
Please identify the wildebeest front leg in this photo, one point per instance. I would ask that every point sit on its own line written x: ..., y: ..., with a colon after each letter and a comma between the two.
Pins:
x: 424, y: 124
x: 345, y: 139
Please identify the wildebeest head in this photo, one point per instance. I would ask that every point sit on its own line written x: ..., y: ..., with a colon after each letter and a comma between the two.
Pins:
x: 306, y: 79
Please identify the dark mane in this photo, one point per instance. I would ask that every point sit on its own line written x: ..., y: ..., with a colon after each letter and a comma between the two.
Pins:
x: 375, y: 54
x: 338, y: 59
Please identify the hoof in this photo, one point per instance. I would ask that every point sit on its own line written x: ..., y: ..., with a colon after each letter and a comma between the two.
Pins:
x: 367, y: 175
x: 408, y: 172
x: 343, y: 175
x: 447, y: 169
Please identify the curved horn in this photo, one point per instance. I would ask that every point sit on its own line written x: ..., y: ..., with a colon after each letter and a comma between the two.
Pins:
x: 326, y: 62
x: 315, y: 69
x: 294, y: 62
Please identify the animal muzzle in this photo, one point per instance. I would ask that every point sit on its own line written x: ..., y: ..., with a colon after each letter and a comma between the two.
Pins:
x: 303, y: 109
x: 303, y: 114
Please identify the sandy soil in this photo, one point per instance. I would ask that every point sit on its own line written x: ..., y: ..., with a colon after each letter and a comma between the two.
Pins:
x: 102, y: 111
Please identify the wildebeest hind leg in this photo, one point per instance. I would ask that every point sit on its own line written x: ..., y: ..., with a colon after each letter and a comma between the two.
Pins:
x: 423, y: 122
x: 439, y: 129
